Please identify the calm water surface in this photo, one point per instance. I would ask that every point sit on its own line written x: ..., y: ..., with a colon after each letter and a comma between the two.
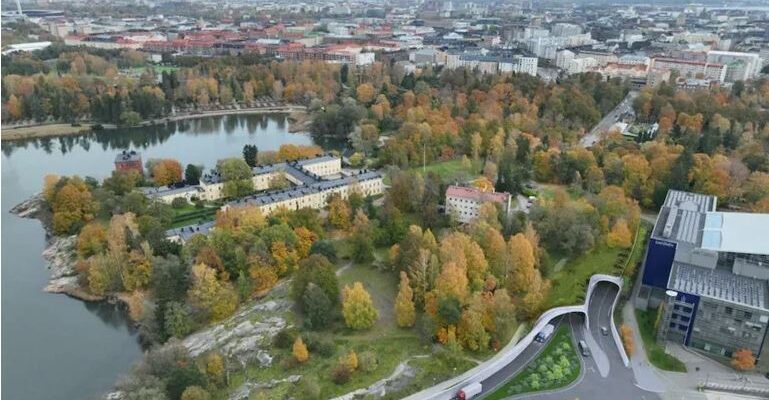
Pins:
x: 54, y: 347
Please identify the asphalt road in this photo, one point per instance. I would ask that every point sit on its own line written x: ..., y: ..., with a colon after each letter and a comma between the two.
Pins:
x: 611, y: 381
x: 608, y: 120
x: 515, y: 366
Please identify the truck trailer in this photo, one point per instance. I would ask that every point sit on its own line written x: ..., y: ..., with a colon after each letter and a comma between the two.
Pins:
x: 470, y: 391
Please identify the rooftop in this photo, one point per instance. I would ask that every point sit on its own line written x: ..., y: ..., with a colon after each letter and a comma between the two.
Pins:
x: 168, y: 190
x: 682, y: 216
x: 734, y: 232
x: 718, y: 284
x: 187, y: 232
x: 276, y: 196
x: 476, y: 194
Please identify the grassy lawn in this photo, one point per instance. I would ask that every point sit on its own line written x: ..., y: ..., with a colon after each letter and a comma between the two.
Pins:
x: 556, y: 366
x: 654, y: 351
x: 569, y: 283
x: 189, y: 214
x: 450, y: 169
x: 383, y: 286
x: 43, y: 131
x: 391, y: 344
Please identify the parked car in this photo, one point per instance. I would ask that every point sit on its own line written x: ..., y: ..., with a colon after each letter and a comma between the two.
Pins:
x: 604, y: 331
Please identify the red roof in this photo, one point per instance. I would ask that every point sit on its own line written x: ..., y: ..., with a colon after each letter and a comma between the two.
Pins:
x: 477, y: 195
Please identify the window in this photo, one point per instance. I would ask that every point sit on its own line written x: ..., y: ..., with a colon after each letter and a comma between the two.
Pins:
x: 728, y: 310
x: 748, y: 315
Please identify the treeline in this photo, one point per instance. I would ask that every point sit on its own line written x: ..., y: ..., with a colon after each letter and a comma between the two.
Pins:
x: 76, y: 85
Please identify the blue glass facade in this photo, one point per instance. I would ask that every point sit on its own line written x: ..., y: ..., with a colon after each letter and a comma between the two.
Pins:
x: 659, y: 260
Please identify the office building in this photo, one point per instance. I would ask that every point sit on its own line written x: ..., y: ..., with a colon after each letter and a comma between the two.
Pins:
x: 706, y: 273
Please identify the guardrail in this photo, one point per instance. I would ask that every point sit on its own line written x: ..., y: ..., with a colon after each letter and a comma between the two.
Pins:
x: 447, y: 389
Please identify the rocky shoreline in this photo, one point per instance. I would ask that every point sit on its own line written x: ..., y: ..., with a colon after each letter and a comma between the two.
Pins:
x: 59, y: 253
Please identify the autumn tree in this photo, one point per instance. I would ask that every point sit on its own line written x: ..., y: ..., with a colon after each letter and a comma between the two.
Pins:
x: 350, y: 360
x: 405, y: 312
x: 195, y: 392
x: 361, y: 238
x: 241, y: 219
x: 215, y: 367
x: 365, y: 93
x: 215, y: 299
x: 71, y: 202
x: 339, y: 212
x: 299, y: 351
x: 521, y: 272
x: 358, y: 308
x: 461, y: 249
x: 167, y: 172
x: 743, y: 360
x: 620, y: 235
x: 91, y: 240
x: 470, y: 330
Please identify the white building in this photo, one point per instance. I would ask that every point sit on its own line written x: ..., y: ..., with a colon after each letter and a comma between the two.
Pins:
x: 739, y: 66
x: 564, y: 29
x: 464, y: 203
x: 520, y: 65
x: 689, y: 69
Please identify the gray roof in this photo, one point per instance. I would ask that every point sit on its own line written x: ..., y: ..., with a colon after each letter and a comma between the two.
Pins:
x: 276, y: 196
x: 295, y: 168
x: 718, y: 284
x: 167, y: 190
x: 315, y: 160
x: 186, y: 232
x: 682, y: 217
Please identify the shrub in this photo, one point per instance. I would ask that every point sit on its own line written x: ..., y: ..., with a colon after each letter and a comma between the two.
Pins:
x: 351, y: 360
x: 288, y: 363
x: 179, y: 202
x: 627, y: 339
x: 320, y: 345
x: 308, y: 388
x: 285, y: 338
x: 341, y: 374
x: 367, y: 361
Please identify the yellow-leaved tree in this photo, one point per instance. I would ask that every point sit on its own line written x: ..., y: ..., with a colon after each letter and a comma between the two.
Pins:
x: 215, y: 299
x: 405, y: 312
x: 620, y: 235
x: 358, y: 308
x: 300, y: 350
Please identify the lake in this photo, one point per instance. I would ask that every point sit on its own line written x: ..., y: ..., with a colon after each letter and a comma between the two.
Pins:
x: 55, y: 347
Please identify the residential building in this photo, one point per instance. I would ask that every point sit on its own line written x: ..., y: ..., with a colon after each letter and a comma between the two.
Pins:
x: 739, y: 66
x: 464, y: 203
x: 707, y: 273
x: 689, y: 69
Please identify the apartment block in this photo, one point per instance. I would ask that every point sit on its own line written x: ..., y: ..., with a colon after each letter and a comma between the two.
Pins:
x: 464, y: 203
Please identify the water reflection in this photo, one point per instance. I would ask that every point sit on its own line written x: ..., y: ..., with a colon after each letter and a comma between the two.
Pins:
x: 149, y: 136
x: 152, y: 136
x: 113, y: 314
